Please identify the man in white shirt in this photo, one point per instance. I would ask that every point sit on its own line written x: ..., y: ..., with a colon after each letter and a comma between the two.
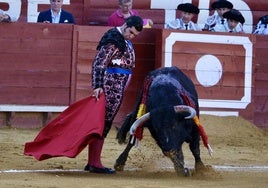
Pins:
x: 220, y: 6
x: 234, y: 23
x: 188, y: 11
x: 56, y: 14
x: 261, y: 28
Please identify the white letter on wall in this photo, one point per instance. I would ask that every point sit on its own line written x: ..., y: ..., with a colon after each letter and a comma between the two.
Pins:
x: 14, y: 9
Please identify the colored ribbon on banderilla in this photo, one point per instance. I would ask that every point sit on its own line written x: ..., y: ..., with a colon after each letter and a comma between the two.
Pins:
x: 138, y: 134
x: 203, y: 135
x: 201, y: 130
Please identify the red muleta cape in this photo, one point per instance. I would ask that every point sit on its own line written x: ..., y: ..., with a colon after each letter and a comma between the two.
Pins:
x: 69, y: 133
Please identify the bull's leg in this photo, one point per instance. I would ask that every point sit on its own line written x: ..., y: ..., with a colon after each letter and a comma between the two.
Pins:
x: 121, y: 160
x: 178, y: 160
x: 195, y: 149
x: 198, y: 162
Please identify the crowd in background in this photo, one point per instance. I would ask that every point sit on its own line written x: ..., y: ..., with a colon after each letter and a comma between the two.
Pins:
x: 225, y: 17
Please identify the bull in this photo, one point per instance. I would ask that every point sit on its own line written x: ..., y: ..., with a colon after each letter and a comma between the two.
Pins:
x: 172, y: 112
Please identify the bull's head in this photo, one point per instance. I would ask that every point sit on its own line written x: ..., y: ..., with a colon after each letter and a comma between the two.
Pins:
x: 177, y: 109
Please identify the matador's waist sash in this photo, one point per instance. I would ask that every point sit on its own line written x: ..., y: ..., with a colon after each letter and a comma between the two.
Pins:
x: 117, y: 70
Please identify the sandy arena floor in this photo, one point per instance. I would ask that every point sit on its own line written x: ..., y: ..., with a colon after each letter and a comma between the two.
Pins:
x: 240, y: 160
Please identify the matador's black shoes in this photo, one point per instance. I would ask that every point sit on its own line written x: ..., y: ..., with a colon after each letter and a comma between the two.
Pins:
x: 103, y: 170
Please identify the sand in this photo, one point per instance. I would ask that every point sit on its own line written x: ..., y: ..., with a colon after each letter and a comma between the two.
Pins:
x: 240, y: 159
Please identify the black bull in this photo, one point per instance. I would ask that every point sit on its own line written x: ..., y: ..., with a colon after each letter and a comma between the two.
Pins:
x: 170, y: 127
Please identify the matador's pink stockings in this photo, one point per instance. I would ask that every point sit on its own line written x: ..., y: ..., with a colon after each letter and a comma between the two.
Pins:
x: 94, y: 153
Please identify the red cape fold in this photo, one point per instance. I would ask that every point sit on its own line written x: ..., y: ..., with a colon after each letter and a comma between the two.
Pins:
x: 69, y: 133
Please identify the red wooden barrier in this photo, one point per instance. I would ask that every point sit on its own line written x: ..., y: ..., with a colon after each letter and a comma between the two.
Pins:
x: 216, y: 64
x: 49, y: 65
x: 260, y: 94
x: 35, y: 64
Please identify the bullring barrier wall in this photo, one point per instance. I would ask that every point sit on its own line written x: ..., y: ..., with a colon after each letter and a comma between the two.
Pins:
x: 45, y: 68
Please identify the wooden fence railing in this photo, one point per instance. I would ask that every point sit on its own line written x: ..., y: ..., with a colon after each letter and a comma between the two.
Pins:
x: 44, y: 68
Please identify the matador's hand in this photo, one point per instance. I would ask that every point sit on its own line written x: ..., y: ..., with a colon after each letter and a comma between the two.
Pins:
x: 97, y: 92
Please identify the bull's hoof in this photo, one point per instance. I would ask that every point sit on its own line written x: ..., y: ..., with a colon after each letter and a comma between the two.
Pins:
x: 121, y: 141
x: 199, y: 166
x: 206, y: 171
x: 121, y: 138
x: 184, y: 172
x: 119, y: 167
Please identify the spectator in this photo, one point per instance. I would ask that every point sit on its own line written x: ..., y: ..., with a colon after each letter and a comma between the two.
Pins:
x: 125, y: 10
x: 261, y: 27
x: 221, y: 6
x: 55, y: 14
x: 188, y: 11
x: 235, y: 21
x: 4, y: 17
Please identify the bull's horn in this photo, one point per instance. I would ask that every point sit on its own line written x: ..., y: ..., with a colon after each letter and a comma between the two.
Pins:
x: 184, y: 108
x: 139, y: 122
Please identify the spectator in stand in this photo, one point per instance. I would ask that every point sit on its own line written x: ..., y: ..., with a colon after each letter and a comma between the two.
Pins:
x: 188, y: 11
x: 261, y: 28
x: 4, y: 17
x: 235, y: 21
x: 125, y: 10
x: 221, y: 6
x: 56, y: 14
